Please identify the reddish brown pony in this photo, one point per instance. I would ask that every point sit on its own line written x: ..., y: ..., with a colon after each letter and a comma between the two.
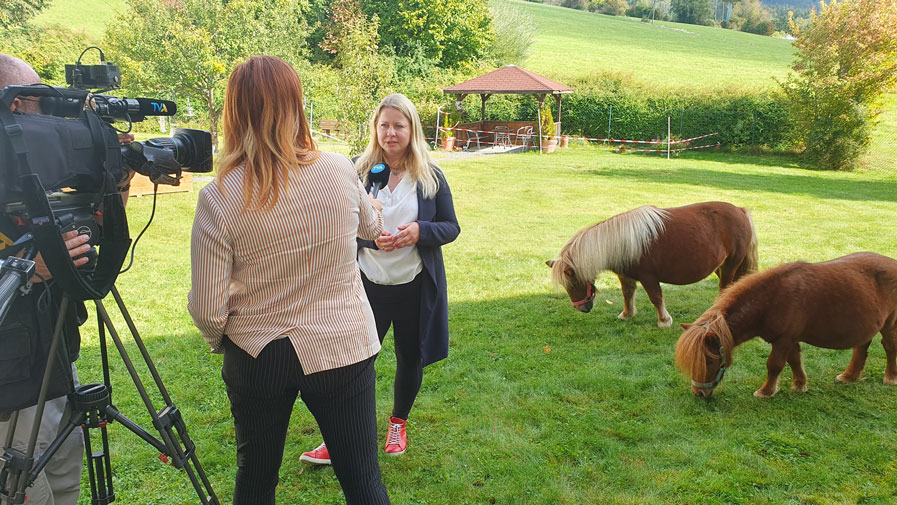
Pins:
x: 838, y: 304
x: 681, y: 245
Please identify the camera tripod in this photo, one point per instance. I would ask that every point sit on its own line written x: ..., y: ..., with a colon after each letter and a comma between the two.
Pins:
x: 92, y: 409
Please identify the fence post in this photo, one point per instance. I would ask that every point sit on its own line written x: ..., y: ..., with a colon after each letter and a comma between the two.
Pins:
x: 436, y: 135
x: 668, y: 137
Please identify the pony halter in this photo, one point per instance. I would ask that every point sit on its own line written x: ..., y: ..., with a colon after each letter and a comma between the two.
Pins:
x: 719, y: 375
x: 590, y: 296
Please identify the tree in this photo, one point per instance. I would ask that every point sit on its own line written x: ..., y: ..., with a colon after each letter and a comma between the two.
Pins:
x: 695, y: 12
x: 18, y: 12
x: 846, y: 63
x: 752, y: 17
x: 451, y: 32
x: 365, y: 78
x: 189, y: 47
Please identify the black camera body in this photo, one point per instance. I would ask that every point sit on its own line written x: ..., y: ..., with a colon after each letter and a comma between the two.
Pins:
x: 62, y: 168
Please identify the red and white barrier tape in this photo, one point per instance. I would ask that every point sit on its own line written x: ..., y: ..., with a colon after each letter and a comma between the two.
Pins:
x: 588, y: 139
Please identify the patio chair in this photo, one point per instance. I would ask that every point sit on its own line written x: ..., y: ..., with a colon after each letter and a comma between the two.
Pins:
x: 502, y: 136
x: 472, y: 135
x: 525, y: 136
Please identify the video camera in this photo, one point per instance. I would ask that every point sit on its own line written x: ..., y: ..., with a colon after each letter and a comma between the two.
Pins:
x: 61, y: 168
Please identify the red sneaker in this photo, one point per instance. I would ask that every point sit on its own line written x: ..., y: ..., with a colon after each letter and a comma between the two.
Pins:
x: 319, y: 456
x: 396, y: 438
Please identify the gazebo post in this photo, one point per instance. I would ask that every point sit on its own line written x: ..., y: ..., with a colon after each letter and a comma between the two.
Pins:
x: 541, y: 99
x: 558, y: 99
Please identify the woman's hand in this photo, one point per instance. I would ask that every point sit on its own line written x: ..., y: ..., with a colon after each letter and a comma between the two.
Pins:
x: 385, y: 242
x: 376, y: 203
x: 408, y: 235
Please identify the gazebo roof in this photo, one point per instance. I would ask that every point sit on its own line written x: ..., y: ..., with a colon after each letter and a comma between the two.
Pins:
x: 509, y: 79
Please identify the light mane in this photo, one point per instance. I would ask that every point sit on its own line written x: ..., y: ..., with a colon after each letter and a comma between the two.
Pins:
x: 613, y: 244
x: 691, y: 352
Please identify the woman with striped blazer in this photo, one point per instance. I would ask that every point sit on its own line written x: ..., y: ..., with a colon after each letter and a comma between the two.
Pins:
x: 276, y: 287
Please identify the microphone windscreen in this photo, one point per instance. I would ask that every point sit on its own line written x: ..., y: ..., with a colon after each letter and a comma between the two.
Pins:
x: 379, y: 175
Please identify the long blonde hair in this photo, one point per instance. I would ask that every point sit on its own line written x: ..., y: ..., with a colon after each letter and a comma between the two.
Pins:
x: 416, y: 161
x: 265, y: 129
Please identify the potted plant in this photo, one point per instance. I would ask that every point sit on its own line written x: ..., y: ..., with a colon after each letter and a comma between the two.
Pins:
x: 448, y: 132
x: 549, y: 142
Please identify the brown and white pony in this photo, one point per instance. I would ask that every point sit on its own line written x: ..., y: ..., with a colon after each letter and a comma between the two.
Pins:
x: 838, y: 304
x: 680, y: 245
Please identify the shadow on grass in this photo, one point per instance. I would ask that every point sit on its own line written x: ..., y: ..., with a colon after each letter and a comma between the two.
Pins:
x: 800, y: 183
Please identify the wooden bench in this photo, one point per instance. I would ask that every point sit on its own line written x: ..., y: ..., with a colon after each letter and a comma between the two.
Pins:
x: 332, y: 127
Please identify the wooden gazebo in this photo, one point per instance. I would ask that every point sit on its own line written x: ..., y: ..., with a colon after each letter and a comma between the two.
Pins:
x: 512, y: 80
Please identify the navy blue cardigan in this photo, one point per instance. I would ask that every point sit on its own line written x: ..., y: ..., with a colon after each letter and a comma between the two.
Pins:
x: 438, y: 226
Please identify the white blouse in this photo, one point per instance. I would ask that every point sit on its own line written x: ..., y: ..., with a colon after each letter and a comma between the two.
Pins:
x: 399, y: 266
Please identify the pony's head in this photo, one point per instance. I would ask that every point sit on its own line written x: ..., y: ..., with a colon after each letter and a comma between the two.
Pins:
x: 581, y: 291
x: 704, y: 351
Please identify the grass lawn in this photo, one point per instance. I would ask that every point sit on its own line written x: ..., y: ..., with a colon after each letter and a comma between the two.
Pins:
x: 541, y: 404
x: 572, y: 43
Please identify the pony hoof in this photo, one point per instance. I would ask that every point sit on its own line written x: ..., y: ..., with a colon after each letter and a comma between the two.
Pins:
x: 845, y: 379
x: 892, y: 381
x: 799, y: 388
x: 763, y: 394
x: 624, y: 316
x: 664, y: 324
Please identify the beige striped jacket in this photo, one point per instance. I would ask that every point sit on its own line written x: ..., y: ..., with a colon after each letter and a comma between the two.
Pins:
x: 289, y: 272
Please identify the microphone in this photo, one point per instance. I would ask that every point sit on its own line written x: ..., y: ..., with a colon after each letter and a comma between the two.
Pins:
x: 379, y: 177
x: 110, y: 106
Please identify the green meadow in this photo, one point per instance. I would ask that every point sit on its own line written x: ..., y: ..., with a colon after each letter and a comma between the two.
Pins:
x: 538, y: 403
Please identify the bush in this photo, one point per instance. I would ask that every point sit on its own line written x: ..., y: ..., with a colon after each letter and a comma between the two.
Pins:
x: 614, y: 7
x: 742, y: 118
x: 46, y: 48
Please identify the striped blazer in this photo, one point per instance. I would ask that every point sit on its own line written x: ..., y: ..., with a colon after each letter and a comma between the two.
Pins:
x: 288, y: 272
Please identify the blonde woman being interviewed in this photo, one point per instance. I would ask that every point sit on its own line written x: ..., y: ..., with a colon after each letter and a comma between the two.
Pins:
x: 402, y: 269
x: 276, y: 287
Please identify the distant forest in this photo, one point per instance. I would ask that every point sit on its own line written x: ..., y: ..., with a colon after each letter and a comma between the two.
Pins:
x: 799, y: 4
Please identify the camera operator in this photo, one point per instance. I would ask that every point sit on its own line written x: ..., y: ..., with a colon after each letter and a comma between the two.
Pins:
x: 59, y: 482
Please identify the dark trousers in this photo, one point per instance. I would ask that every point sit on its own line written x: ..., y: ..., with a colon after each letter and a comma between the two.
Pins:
x: 399, y: 306
x: 262, y: 392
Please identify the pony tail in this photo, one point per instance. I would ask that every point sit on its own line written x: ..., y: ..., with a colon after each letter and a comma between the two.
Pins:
x: 750, y: 263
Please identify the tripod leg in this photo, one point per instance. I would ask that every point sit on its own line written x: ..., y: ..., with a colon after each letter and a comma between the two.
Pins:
x: 177, y: 444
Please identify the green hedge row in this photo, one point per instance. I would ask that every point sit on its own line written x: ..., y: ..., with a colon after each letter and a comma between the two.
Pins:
x: 613, y: 108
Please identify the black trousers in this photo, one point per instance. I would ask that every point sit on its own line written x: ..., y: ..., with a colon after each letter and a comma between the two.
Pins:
x: 399, y: 306
x: 262, y: 392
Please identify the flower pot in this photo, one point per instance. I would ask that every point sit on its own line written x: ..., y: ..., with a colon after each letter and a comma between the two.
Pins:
x: 565, y: 141
x: 548, y: 146
x: 448, y: 143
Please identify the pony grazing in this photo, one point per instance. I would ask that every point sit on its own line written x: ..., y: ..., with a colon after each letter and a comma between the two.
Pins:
x: 680, y: 245
x: 838, y: 304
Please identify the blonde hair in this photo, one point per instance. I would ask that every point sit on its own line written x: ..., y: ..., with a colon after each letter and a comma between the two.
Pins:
x: 265, y: 130
x: 416, y: 161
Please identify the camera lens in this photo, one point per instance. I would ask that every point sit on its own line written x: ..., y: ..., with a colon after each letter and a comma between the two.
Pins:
x: 192, y: 149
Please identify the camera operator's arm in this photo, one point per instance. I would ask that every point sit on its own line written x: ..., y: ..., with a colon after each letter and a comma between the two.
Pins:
x: 125, y: 186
